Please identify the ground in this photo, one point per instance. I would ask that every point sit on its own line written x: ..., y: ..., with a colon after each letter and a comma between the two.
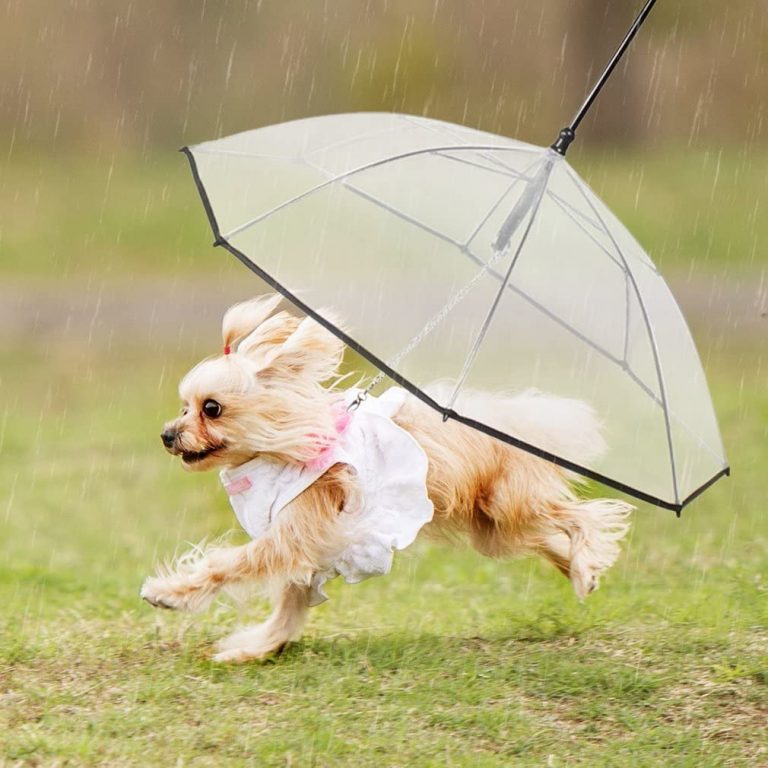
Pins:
x: 452, y: 659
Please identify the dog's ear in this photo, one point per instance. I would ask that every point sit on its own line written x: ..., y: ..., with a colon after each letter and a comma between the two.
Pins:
x: 310, y: 350
x: 271, y: 334
x: 242, y: 319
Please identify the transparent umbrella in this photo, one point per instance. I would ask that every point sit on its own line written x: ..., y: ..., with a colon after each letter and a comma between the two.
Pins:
x: 486, y: 262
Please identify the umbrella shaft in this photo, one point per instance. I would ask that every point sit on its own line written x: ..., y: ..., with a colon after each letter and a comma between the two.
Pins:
x: 568, y: 133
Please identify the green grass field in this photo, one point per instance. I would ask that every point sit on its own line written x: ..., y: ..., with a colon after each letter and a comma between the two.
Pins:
x: 452, y: 659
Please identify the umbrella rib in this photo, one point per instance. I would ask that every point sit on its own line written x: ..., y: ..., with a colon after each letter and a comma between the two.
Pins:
x: 237, y: 153
x: 387, y: 207
x: 565, y: 209
x: 333, y: 145
x: 640, y: 383
x: 575, y: 211
x: 649, y: 329
x: 552, y: 316
x: 400, y: 214
x: 534, y: 209
x: 708, y: 448
x: 416, y: 222
x: 626, y: 318
x: 347, y: 174
x: 495, y: 161
x: 370, y: 135
x: 502, y: 171
x: 351, y: 140
x: 646, y: 264
x: 428, y: 124
x: 457, y: 297
x: 528, y: 149
x: 624, y: 363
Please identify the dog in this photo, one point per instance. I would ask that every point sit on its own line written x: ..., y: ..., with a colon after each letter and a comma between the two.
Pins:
x: 266, y: 403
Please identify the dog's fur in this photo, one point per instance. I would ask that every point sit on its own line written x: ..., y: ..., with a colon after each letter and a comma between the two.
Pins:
x: 273, y: 399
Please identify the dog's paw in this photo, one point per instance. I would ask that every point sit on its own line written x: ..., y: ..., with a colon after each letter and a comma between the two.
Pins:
x: 242, y: 655
x: 176, y: 592
x: 253, y: 644
x: 152, y: 595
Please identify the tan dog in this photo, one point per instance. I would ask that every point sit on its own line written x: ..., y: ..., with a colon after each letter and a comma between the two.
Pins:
x: 267, y: 399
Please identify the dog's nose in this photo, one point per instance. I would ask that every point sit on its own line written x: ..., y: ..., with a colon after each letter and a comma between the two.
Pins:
x: 168, y: 436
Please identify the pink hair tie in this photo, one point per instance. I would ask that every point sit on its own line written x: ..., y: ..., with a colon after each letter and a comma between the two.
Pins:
x: 227, y: 349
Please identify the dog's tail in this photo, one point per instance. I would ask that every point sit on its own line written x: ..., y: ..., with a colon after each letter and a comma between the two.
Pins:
x: 562, y: 426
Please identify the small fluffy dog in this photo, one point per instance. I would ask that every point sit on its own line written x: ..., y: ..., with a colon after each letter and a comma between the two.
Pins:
x: 265, y: 401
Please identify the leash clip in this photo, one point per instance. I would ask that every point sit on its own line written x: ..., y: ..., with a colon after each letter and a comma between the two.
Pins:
x: 359, y: 398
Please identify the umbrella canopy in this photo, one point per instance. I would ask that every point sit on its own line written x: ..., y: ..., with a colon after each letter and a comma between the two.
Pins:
x: 459, y: 255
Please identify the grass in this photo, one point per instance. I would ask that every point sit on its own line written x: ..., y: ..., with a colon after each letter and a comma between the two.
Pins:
x: 452, y: 659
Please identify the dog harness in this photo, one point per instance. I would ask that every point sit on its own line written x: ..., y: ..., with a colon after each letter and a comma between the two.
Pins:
x: 392, y: 504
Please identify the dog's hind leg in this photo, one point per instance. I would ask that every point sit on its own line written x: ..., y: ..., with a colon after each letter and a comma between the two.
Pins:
x: 555, y: 546
x: 291, y: 603
x: 584, y: 540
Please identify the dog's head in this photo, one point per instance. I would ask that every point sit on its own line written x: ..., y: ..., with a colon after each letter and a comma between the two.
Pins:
x: 263, y: 395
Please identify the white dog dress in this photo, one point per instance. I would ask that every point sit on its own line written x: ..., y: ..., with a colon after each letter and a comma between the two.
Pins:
x: 391, y: 469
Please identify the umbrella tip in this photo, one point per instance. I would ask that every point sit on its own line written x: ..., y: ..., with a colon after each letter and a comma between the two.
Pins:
x: 563, y: 141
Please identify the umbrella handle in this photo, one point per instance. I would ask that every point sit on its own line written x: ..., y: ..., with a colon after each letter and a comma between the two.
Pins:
x: 568, y: 134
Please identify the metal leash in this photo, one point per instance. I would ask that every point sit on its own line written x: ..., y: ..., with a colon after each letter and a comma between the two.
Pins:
x: 428, y: 328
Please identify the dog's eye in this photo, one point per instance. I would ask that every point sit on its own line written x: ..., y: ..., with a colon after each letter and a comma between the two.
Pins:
x: 211, y: 409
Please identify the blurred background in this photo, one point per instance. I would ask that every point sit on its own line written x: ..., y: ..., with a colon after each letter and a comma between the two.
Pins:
x: 110, y: 290
x: 95, y: 97
x: 108, y: 76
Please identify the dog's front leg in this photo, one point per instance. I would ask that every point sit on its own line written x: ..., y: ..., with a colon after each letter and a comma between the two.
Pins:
x: 290, y: 605
x: 300, y: 543
x: 192, y: 583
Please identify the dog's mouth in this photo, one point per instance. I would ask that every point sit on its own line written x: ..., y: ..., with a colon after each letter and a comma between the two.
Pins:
x: 193, y: 457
